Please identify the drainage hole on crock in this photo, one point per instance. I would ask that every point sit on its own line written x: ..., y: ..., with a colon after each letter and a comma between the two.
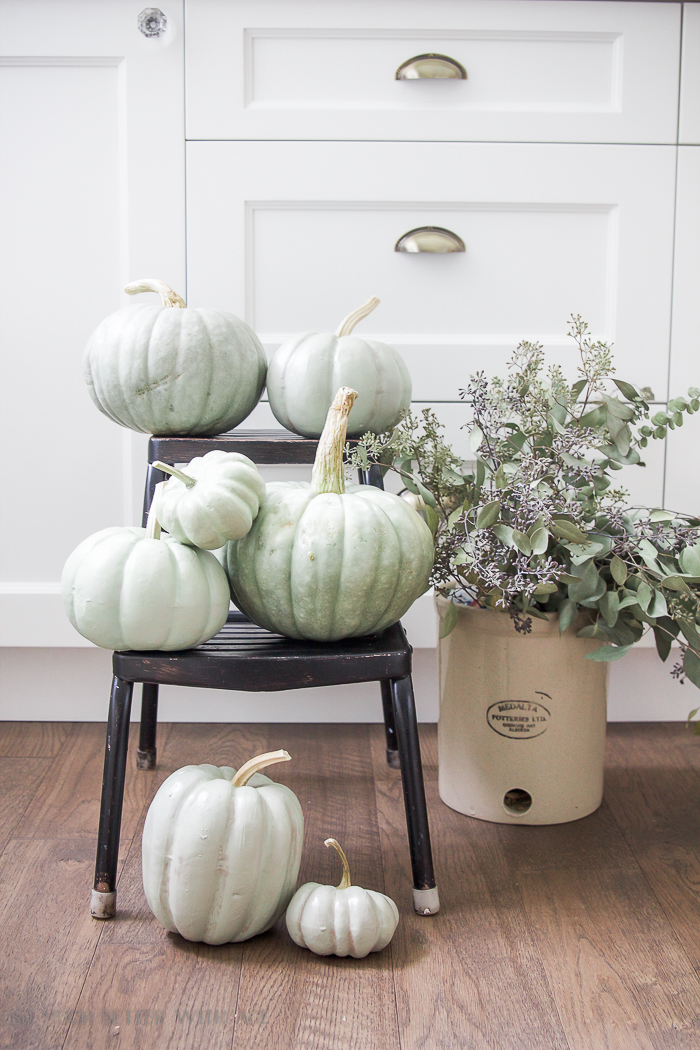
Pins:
x: 517, y: 801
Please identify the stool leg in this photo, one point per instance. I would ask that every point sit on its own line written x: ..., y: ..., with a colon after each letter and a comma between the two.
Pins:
x: 425, y: 894
x: 103, y: 903
x: 146, y: 753
x: 392, y: 751
x: 153, y: 476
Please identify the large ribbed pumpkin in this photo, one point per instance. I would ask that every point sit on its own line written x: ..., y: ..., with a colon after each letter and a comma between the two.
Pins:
x: 171, y: 369
x: 221, y: 850
x: 323, y: 563
x: 306, y: 372
x: 132, y: 588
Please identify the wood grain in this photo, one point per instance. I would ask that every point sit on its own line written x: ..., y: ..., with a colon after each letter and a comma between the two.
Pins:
x: 19, y: 781
x: 32, y: 739
x: 47, y: 937
x: 68, y: 799
x: 470, y: 976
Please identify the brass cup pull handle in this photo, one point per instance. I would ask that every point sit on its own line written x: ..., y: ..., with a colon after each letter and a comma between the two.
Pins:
x: 432, y: 67
x: 430, y: 239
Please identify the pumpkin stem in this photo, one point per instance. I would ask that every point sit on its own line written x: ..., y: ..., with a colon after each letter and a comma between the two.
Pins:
x: 328, y: 474
x: 167, y: 469
x: 254, y: 765
x: 345, y: 881
x: 149, y: 284
x: 152, y: 524
x: 348, y: 323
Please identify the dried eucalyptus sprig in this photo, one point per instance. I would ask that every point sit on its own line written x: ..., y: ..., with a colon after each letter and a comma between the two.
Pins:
x: 534, y: 525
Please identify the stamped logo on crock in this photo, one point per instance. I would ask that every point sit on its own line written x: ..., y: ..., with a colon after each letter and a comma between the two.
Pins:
x: 519, y: 719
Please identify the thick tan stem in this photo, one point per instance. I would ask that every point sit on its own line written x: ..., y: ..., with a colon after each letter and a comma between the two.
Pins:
x: 348, y: 323
x: 153, y: 525
x: 167, y: 469
x: 150, y: 284
x: 345, y: 881
x: 254, y: 765
x: 328, y: 474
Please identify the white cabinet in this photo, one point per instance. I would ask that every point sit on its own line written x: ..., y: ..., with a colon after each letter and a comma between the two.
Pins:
x: 293, y: 235
x: 689, y: 118
x: 91, y: 196
x: 567, y: 71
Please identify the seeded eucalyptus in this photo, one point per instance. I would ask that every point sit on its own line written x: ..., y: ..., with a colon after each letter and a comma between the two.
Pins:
x: 536, y: 524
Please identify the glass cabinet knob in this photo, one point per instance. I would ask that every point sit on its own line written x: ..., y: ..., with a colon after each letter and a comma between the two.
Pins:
x: 433, y: 67
x: 152, y: 22
x: 430, y: 239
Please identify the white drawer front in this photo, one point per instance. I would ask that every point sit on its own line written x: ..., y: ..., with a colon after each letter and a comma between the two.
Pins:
x: 543, y: 70
x: 294, y: 235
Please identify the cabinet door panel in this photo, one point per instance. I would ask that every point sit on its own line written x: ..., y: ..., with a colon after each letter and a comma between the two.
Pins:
x: 544, y: 71
x: 295, y: 235
x: 91, y: 196
x: 689, y: 117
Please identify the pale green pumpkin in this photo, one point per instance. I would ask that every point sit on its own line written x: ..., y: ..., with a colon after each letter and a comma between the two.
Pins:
x: 213, y: 500
x: 323, y: 563
x: 132, y: 588
x: 172, y: 369
x: 221, y: 850
x: 341, y: 920
x: 306, y: 372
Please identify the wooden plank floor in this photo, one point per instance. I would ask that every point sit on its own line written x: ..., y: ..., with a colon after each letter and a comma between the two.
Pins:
x: 583, y: 936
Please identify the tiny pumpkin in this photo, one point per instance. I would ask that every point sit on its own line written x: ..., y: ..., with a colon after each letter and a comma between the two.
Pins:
x: 133, y: 588
x: 172, y: 369
x: 306, y: 371
x: 221, y: 850
x: 212, y: 501
x: 324, y: 563
x: 343, y: 919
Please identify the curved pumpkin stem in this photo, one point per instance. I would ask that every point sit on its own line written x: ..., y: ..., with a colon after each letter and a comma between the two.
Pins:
x: 254, y: 765
x: 348, y: 323
x: 152, y: 524
x: 167, y: 469
x: 149, y: 284
x: 328, y: 473
x: 345, y: 881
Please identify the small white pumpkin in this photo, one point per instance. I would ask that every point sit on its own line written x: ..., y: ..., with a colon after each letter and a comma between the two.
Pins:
x: 131, y: 588
x: 221, y: 851
x: 172, y: 369
x: 306, y: 371
x: 343, y: 919
x: 215, y: 499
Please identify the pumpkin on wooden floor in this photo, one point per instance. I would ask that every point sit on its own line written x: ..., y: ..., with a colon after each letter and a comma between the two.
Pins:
x: 221, y: 851
x: 171, y: 369
x: 132, y: 588
x: 343, y: 919
x: 306, y: 371
x: 324, y: 563
x: 213, y: 500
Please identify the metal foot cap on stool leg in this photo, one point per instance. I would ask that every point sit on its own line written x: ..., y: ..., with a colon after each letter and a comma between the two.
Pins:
x: 104, y: 905
x: 426, y: 902
x: 392, y: 759
x: 145, y: 759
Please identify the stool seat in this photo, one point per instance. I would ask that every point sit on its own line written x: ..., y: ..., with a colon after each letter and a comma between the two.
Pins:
x: 245, y: 656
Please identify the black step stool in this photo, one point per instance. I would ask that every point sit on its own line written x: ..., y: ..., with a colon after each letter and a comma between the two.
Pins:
x: 246, y: 657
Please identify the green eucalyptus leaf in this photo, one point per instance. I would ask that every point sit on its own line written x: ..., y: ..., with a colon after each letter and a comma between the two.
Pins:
x: 587, y: 586
x: 630, y: 392
x: 662, y: 515
x: 594, y: 630
x: 476, y: 437
x: 431, y: 519
x: 567, y: 578
x: 675, y: 583
x: 618, y: 570
x: 689, y: 559
x: 663, y: 642
x: 454, y: 517
x: 691, y: 667
x: 568, y: 611
x: 644, y: 596
x: 488, y: 515
x: 522, y: 542
x: 577, y: 388
x: 545, y: 588
x: 608, y: 653
x: 427, y: 495
x: 609, y: 606
x: 595, y: 418
x: 448, y: 620
x: 618, y: 408
x: 504, y: 533
x: 539, y: 541
x: 658, y: 605
x: 480, y: 473
x: 566, y: 530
